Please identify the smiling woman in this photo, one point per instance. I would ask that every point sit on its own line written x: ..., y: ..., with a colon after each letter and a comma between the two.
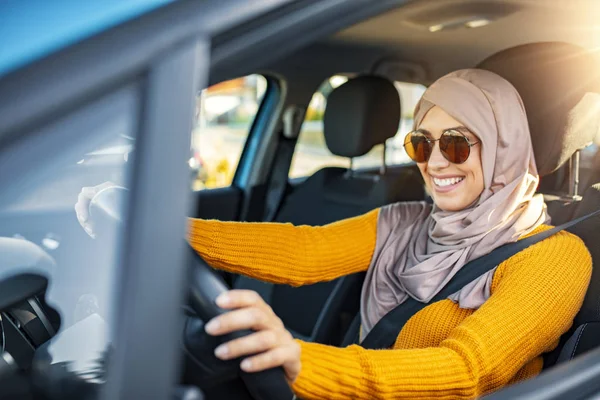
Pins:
x: 482, y: 177
x: 452, y: 171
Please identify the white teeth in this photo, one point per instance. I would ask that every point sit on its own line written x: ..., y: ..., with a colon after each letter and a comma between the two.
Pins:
x: 447, y: 181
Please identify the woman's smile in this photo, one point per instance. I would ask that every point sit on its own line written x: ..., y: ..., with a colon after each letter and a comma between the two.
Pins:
x: 447, y: 183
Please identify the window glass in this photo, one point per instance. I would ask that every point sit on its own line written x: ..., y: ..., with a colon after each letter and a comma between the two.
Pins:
x: 311, y: 153
x: 224, y: 116
x: 40, y: 233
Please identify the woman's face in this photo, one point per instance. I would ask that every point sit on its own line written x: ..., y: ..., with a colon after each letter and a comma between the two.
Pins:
x: 453, y: 187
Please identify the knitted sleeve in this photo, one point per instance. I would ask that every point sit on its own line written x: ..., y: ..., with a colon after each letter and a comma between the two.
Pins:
x: 284, y: 253
x: 537, y: 295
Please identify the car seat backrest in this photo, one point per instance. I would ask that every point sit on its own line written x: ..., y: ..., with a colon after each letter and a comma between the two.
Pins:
x: 585, y: 332
x: 362, y: 113
x: 333, y: 195
x: 588, y: 231
x: 559, y: 84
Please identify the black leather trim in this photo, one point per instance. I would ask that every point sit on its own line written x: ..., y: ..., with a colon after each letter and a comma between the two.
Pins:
x: 585, y: 338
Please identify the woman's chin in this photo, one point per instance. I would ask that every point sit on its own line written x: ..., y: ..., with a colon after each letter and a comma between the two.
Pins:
x: 449, y: 204
x: 454, y: 199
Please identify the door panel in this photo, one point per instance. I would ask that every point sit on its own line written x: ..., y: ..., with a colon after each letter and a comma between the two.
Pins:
x: 222, y: 204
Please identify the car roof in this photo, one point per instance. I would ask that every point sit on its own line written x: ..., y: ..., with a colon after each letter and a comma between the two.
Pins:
x: 35, y: 28
x: 421, y: 40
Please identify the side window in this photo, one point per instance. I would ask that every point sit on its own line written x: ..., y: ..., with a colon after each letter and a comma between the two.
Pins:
x: 224, y: 116
x: 311, y: 152
x: 39, y: 232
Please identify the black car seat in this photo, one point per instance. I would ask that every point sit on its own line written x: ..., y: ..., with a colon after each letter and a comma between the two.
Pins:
x: 362, y: 113
x: 585, y: 333
x: 560, y: 86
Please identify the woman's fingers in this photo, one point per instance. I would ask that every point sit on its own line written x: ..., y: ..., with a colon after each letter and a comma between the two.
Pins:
x: 252, y: 313
x: 275, y: 344
x: 287, y: 357
x: 244, y: 318
x: 255, y: 343
x: 270, y: 359
x: 81, y: 207
x: 239, y: 299
x: 83, y: 203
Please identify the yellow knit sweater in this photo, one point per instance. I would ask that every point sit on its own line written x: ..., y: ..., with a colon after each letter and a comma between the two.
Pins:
x: 443, y: 351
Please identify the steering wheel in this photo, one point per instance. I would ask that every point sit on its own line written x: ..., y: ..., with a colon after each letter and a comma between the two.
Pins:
x: 205, y: 285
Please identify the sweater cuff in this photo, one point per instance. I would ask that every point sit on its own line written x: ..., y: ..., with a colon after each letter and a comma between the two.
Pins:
x: 327, y: 372
x: 201, y: 236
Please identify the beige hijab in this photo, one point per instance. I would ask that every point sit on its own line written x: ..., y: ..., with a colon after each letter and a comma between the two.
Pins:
x: 420, y: 247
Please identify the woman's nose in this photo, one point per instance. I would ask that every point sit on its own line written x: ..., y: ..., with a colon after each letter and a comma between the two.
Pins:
x: 437, y: 160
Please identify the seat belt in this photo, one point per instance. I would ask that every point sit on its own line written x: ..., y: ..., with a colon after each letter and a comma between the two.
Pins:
x: 279, y: 177
x: 276, y: 191
x: 292, y: 122
x: 384, y: 333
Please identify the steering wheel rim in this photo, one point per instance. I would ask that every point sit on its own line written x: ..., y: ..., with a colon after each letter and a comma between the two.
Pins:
x: 205, y: 286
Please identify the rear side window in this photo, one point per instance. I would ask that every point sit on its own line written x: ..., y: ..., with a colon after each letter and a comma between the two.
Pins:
x: 224, y: 116
x: 311, y: 152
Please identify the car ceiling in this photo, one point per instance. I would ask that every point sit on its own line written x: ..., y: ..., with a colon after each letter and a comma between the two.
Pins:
x: 400, y: 45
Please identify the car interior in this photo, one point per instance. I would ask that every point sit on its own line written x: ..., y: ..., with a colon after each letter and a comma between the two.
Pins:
x: 559, y: 82
x: 556, y: 79
x: 547, y: 49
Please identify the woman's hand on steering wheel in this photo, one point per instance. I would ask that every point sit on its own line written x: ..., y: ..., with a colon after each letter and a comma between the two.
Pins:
x: 273, y: 345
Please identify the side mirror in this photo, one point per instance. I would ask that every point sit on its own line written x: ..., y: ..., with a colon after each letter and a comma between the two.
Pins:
x: 18, y: 288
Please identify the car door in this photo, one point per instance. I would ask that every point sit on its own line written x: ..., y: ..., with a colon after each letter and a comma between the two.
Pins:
x: 61, y: 111
x: 124, y: 82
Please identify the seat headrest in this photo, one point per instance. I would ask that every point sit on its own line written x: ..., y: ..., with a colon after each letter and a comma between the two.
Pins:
x: 559, y: 84
x: 361, y: 113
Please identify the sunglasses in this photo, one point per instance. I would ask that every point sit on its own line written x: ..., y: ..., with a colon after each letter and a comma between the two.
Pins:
x: 454, y: 145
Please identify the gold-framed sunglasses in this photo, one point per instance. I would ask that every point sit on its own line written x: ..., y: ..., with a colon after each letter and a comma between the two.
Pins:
x: 455, y: 146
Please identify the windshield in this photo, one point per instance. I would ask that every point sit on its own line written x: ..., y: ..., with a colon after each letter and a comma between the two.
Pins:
x: 42, y: 177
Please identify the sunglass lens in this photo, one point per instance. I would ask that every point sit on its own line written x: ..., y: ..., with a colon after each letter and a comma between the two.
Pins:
x: 455, y: 147
x: 417, y: 146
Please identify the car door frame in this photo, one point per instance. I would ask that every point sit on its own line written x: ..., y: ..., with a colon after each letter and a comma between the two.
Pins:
x: 172, y: 62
